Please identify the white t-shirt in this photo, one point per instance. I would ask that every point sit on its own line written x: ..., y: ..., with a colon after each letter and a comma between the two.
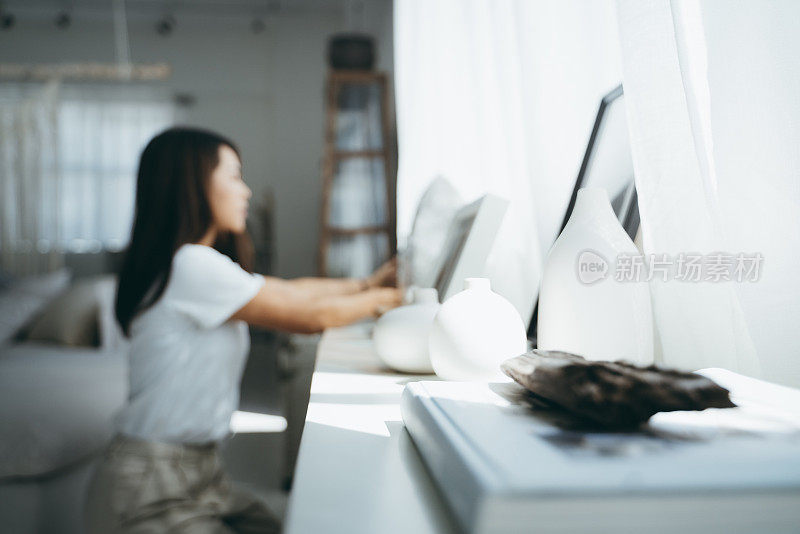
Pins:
x: 186, y: 356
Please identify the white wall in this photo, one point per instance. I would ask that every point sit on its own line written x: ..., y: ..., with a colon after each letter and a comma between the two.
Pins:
x: 265, y: 91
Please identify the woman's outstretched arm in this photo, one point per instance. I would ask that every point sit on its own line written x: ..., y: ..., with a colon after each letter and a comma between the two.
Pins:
x: 280, y: 306
x: 327, y: 286
x: 384, y: 276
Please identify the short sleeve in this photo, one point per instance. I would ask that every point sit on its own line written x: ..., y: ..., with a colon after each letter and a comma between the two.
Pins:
x: 208, y: 286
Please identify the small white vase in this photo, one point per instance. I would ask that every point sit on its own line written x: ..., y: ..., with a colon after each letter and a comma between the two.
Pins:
x: 400, y: 336
x: 583, y: 308
x: 474, y: 332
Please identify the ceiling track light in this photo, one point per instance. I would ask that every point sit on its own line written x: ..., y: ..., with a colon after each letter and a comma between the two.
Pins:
x: 7, y: 20
x: 166, y: 25
x: 63, y: 20
x: 258, y: 25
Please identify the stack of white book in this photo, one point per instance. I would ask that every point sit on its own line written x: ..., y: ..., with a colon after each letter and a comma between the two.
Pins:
x: 504, y: 469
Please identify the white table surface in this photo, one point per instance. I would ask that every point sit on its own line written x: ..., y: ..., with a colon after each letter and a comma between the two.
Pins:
x: 358, y: 470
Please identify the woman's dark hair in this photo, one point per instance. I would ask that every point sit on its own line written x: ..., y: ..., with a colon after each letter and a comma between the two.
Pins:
x: 172, y: 209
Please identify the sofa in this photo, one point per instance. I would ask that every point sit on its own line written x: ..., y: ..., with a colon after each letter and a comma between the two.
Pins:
x: 62, y: 379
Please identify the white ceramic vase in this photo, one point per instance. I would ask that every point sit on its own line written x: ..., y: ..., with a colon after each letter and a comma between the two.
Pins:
x: 583, y: 308
x: 400, y: 336
x: 474, y: 332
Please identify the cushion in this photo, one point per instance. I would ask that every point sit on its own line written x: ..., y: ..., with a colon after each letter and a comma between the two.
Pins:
x: 111, y: 336
x: 73, y: 318
x: 23, y: 298
x: 56, y: 405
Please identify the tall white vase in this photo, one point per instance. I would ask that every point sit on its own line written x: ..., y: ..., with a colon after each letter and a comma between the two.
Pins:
x: 474, y: 332
x: 583, y: 308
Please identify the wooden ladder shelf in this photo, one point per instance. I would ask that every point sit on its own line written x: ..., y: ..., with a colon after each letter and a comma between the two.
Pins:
x: 333, y: 156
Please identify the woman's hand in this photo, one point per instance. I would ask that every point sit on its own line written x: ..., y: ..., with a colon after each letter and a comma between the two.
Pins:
x: 384, y: 276
x: 312, y: 288
x: 384, y: 299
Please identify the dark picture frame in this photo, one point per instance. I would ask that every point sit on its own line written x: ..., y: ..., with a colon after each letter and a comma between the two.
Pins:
x: 625, y: 204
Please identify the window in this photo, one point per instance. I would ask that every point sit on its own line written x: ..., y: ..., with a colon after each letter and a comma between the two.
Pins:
x: 102, y: 130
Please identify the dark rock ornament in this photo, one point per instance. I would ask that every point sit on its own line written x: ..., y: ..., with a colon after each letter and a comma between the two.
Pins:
x: 611, y: 395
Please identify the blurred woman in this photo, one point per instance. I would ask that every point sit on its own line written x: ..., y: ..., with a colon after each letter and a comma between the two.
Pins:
x: 186, y: 295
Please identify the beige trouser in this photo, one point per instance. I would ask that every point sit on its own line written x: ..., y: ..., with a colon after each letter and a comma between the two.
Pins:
x: 146, y: 487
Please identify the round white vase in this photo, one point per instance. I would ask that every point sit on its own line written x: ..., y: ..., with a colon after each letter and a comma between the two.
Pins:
x: 400, y: 336
x: 583, y: 308
x: 474, y: 332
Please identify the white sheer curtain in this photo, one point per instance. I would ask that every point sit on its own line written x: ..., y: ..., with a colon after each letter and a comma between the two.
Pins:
x: 102, y: 131
x: 711, y: 91
x: 68, y: 159
x: 499, y: 96
x: 29, y: 178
